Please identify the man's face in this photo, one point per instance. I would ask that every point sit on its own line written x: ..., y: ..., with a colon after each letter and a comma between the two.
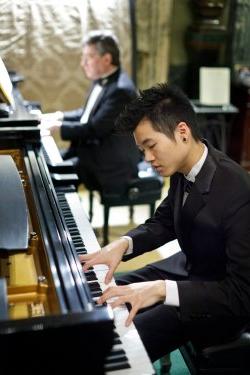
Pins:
x: 166, y: 155
x: 93, y: 64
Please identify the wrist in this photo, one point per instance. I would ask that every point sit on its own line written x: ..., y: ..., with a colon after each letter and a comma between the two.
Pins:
x: 124, y: 244
x: 161, y: 289
x: 120, y: 245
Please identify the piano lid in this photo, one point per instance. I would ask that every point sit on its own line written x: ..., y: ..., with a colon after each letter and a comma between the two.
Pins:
x: 13, y: 208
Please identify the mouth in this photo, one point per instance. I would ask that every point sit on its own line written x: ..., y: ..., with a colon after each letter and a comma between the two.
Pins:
x: 157, y: 168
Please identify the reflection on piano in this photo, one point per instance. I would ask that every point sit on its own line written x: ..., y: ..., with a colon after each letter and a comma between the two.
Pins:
x: 48, y: 312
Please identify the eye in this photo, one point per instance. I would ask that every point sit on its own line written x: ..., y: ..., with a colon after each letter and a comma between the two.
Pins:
x: 152, y: 146
x: 142, y: 152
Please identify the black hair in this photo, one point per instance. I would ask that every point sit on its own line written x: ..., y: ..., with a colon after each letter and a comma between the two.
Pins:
x: 105, y: 42
x: 164, y: 106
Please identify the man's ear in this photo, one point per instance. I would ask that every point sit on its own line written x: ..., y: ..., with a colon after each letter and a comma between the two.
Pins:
x: 108, y: 58
x: 182, y: 129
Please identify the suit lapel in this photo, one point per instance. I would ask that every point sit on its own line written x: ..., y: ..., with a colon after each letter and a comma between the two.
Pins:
x: 112, y: 78
x: 196, y: 199
x: 178, y: 209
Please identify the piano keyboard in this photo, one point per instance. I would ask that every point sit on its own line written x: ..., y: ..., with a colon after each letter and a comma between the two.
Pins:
x: 49, y: 147
x: 128, y: 355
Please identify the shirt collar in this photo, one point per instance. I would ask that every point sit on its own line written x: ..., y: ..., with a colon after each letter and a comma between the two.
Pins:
x: 197, y: 167
x: 102, y: 81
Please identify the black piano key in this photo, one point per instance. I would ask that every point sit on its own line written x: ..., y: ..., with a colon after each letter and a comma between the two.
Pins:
x: 116, y: 366
x: 116, y: 359
x: 94, y: 286
x: 96, y: 293
x: 82, y: 252
x: 116, y: 352
x: 90, y: 275
x: 75, y: 232
x: 100, y: 305
x: 70, y: 222
x: 117, y: 341
x: 78, y: 246
x: 76, y: 237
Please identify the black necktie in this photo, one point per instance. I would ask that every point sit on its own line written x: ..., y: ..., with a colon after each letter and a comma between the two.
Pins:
x: 187, y: 185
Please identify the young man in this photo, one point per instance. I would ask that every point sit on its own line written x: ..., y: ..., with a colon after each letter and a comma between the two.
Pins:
x: 106, y: 161
x: 203, y: 292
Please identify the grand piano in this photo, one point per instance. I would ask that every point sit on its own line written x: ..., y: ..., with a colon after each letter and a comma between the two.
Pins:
x: 49, y: 318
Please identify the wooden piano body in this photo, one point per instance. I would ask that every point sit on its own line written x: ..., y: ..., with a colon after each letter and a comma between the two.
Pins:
x: 48, y: 316
x: 51, y: 315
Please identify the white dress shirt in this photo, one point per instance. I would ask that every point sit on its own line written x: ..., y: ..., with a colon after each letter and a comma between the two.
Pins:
x: 91, y: 102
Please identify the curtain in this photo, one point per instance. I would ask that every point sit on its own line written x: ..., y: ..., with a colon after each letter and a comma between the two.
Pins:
x: 153, y: 22
x: 42, y: 40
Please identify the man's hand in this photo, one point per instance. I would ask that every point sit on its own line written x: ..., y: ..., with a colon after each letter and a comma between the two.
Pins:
x: 51, y: 122
x: 52, y: 125
x: 110, y: 255
x: 138, y: 295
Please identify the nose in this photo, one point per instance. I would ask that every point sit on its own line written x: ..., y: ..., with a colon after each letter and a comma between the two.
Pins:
x: 148, y: 156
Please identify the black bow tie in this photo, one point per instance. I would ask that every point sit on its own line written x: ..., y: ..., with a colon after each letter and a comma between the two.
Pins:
x: 187, y: 185
x: 101, y: 81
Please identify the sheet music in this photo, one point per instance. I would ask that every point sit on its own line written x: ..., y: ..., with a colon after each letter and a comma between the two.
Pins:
x: 6, y: 88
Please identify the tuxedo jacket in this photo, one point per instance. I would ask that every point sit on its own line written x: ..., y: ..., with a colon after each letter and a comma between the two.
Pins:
x: 111, y: 158
x: 213, y: 231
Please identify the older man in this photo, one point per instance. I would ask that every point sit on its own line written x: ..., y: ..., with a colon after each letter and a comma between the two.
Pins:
x: 105, y: 161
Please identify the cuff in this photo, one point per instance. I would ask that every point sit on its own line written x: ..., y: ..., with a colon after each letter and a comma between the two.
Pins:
x: 130, y: 245
x: 172, y: 294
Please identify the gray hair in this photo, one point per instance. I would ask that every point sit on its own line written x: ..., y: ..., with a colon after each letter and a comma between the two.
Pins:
x: 105, y: 42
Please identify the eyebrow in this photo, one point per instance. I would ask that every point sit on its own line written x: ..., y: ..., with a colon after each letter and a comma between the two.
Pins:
x: 147, y: 140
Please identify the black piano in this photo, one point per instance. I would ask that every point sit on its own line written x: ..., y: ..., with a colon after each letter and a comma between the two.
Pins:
x: 49, y: 319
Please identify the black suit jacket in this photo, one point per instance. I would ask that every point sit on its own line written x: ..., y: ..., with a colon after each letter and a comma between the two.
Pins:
x: 213, y: 230
x: 111, y: 159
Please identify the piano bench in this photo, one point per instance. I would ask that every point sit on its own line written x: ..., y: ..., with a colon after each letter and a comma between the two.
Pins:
x: 140, y: 190
x: 227, y: 358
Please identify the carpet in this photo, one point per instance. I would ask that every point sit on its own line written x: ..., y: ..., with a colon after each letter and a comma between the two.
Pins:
x: 178, y: 365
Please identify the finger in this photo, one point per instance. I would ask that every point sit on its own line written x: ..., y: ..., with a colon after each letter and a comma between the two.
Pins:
x: 88, y: 264
x: 107, y: 294
x: 118, y: 302
x: 131, y: 315
x: 85, y: 257
x: 109, y: 276
x: 115, y: 292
